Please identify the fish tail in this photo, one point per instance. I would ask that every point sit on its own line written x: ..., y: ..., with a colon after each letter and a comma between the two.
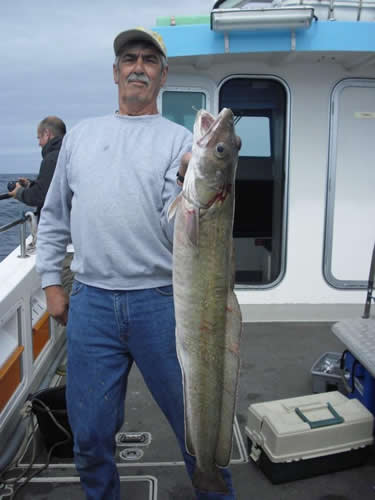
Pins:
x: 209, y: 481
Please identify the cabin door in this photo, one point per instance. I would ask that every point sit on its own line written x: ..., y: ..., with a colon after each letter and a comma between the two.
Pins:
x: 350, y: 228
x: 260, y: 109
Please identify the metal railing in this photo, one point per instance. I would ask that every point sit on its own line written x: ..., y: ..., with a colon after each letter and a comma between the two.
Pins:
x: 22, y: 222
x: 370, y: 287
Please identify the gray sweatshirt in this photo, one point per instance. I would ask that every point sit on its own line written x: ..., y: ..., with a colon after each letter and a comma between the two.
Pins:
x: 114, y: 181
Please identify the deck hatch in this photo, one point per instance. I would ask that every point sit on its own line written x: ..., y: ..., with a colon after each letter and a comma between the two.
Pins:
x: 55, y: 488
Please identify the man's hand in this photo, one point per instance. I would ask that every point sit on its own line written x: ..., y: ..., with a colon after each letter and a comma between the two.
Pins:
x: 183, y: 167
x: 24, y: 182
x: 57, y: 303
x: 14, y: 192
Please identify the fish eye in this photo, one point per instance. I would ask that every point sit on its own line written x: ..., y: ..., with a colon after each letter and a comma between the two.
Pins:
x: 220, y: 149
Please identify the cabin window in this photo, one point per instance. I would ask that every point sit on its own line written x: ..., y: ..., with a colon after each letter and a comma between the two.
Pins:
x: 260, y: 109
x: 257, y: 128
x: 182, y: 106
x: 349, y: 232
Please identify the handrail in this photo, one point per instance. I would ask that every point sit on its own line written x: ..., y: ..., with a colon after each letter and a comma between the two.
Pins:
x: 370, y: 287
x: 22, y: 221
x: 12, y: 224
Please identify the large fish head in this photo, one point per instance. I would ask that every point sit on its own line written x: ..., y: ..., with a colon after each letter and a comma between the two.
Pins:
x: 211, y: 172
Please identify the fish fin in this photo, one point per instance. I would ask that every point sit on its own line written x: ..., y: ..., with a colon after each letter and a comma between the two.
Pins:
x: 188, y: 442
x: 230, y: 382
x: 173, y: 207
x: 188, y: 439
x: 188, y: 436
x: 209, y: 481
x: 192, y: 225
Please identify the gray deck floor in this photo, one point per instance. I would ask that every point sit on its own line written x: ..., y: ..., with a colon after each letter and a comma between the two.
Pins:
x: 276, y: 363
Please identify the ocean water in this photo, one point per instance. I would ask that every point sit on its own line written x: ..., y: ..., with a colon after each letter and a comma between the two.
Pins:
x: 11, y: 210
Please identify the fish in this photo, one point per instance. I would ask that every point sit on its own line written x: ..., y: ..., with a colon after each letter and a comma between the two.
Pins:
x: 208, y: 316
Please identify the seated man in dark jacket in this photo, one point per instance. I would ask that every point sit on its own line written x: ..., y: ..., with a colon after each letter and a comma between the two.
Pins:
x: 51, y: 131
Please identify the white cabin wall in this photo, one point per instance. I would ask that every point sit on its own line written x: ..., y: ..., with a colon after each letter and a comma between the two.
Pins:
x: 303, y: 284
x: 309, y: 136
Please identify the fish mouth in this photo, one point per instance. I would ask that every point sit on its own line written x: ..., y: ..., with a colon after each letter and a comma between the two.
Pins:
x: 207, y: 127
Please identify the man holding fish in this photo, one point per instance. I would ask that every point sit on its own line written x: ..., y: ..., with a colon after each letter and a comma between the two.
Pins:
x: 121, y: 307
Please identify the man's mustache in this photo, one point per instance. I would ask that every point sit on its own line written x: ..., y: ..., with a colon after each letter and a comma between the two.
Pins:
x: 138, y: 77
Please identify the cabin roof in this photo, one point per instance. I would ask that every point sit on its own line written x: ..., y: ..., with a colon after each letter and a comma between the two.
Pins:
x: 322, y: 36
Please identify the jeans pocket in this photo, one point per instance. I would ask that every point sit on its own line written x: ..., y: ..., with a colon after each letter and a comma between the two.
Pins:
x: 166, y: 290
x: 76, y: 287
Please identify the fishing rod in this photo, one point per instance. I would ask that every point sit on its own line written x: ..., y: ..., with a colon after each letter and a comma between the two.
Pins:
x: 4, y: 196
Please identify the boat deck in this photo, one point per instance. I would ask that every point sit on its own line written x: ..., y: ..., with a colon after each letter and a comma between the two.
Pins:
x: 276, y: 363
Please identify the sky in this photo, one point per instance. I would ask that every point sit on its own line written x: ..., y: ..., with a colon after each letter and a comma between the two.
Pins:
x: 56, y: 58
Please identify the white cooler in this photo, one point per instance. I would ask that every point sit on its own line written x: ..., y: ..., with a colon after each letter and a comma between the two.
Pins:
x: 300, y: 437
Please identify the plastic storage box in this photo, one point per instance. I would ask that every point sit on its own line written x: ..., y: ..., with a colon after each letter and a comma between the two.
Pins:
x: 327, y: 374
x: 301, y: 437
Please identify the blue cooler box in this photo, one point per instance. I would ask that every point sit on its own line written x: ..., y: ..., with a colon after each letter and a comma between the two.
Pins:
x: 359, y: 383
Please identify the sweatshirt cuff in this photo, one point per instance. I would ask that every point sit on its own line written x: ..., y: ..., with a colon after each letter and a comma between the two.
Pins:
x: 49, y: 279
x: 19, y: 193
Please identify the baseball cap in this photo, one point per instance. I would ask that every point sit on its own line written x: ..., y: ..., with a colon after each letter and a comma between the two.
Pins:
x: 139, y: 33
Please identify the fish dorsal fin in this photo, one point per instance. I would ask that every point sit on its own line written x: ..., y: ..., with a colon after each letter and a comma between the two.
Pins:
x: 173, y: 206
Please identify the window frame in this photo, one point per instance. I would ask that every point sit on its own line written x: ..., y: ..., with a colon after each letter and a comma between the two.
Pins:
x: 187, y: 89
x: 336, y: 91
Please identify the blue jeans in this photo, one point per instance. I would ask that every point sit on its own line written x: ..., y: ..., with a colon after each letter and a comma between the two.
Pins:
x: 107, y: 330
